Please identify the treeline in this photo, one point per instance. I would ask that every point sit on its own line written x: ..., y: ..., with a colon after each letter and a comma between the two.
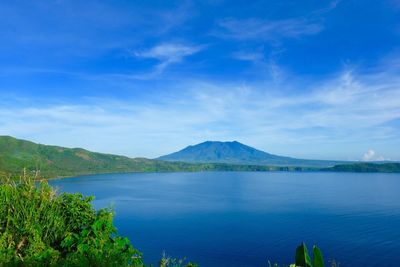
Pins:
x: 366, y: 167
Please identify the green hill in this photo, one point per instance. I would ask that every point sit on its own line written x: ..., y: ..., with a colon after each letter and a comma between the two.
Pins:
x: 55, y: 161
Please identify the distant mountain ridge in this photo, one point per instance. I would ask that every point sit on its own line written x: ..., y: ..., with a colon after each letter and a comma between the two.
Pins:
x: 237, y: 153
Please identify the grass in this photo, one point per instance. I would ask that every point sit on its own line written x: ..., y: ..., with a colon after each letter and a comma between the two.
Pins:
x: 42, y: 228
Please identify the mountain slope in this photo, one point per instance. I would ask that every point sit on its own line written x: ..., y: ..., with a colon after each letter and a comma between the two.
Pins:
x: 55, y: 161
x: 237, y: 153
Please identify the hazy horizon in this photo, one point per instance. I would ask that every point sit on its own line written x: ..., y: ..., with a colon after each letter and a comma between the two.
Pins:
x: 306, y: 80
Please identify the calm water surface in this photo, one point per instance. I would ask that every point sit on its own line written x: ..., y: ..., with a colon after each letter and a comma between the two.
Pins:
x: 240, y: 219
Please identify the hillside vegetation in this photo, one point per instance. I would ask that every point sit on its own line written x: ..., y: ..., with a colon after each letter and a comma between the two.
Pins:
x: 366, y: 167
x: 54, y: 161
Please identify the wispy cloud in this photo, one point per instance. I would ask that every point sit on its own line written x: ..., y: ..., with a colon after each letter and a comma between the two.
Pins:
x: 267, y: 30
x: 349, y: 110
x: 85, y: 29
x: 265, y: 65
x: 253, y: 56
x: 274, y: 30
x: 330, y: 7
x: 167, y: 54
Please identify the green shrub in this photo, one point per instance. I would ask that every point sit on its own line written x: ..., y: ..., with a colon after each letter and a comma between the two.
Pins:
x: 167, y: 261
x: 40, y: 227
x: 303, y: 259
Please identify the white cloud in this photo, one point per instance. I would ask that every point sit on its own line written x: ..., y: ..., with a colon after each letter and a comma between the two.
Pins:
x: 168, y: 53
x: 270, y: 30
x: 369, y: 155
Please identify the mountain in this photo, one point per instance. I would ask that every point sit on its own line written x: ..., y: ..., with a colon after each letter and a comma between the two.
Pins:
x: 238, y: 153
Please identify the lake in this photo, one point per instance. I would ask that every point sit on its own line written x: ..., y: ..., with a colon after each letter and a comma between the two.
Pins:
x: 241, y: 219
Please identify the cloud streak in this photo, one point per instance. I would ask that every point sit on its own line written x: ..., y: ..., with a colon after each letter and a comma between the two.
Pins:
x: 168, y: 54
x: 266, y: 30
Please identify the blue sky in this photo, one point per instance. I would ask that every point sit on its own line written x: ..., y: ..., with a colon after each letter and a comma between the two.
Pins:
x: 310, y: 79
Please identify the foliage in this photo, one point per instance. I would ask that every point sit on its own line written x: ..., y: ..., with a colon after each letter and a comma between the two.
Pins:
x: 302, y: 259
x: 171, y: 262
x: 365, y: 167
x: 40, y: 228
x: 53, y: 161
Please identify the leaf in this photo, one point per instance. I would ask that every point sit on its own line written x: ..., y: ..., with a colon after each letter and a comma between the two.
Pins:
x: 317, y: 257
x: 302, y: 258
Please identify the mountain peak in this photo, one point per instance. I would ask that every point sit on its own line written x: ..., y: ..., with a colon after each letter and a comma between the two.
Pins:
x: 209, y: 142
x: 234, y: 152
x: 219, y: 152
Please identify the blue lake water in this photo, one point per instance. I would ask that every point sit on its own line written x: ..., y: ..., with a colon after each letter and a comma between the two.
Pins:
x: 240, y: 219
